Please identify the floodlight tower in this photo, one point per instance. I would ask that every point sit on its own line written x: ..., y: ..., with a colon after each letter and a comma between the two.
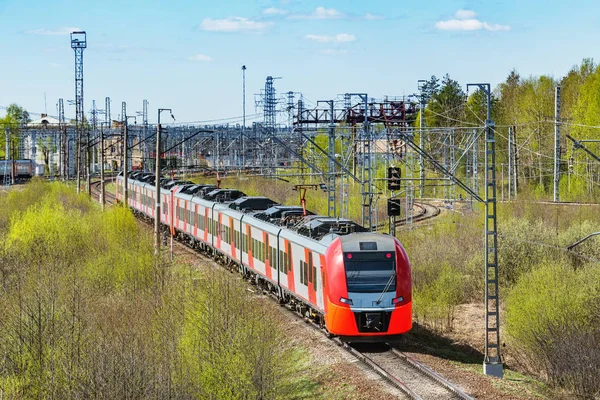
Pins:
x: 78, y: 44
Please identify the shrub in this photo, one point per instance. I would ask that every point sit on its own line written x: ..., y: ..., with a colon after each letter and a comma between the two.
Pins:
x: 84, y: 315
x: 434, y: 303
x: 552, y: 320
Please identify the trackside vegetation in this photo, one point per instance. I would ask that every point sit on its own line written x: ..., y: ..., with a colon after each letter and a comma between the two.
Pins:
x: 87, y: 312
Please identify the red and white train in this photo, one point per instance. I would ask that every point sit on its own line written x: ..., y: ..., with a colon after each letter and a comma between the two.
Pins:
x: 355, y: 284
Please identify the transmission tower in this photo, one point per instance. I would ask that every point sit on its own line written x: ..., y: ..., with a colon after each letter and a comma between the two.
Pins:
x: 270, y: 104
x: 78, y: 44
x: 107, y: 111
x: 94, y: 113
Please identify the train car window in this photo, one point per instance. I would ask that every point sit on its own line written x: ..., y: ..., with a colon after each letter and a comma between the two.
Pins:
x: 281, y: 258
x: 310, y: 267
x: 302, y: 272
x: 289, y: 264
x: 267, y: 255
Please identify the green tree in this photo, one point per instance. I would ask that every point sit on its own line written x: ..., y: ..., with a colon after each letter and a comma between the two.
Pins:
x: 446, y: 105
x: 16, y: 116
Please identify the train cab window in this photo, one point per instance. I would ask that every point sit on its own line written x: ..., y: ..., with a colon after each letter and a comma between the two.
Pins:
x: 370, y: 272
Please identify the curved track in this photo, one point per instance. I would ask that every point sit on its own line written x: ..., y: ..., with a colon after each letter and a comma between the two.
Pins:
x: 421, y: 211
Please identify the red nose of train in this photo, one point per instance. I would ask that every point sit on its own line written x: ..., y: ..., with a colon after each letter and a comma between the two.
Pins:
x: 368, y: 294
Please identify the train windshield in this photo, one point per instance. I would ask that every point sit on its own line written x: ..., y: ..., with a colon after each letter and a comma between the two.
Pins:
x: 370, y: 272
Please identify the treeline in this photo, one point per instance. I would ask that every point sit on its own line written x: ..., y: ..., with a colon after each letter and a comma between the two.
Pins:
x: 87, y: 312
x: 527, y: 106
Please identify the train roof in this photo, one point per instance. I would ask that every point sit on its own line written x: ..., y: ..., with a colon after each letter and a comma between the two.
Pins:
x: 318, y: 226
x: 282, y: 215
x: 222, y: 195
x: 252, y: 203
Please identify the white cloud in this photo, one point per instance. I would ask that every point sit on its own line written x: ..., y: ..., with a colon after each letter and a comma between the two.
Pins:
x: 274, y: 11
x: 233, y: 24
x: 496, y: 27
x: 465, y: 14
x: 465, y: 20
x: 339, y: 38
x: 52, y: 32
x: 459, y: 25
x: 333, y: 52
x: 200, y: 57
x: 320, y: 13
x: 373, y: 17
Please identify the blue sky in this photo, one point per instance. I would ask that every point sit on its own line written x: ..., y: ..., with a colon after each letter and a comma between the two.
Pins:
x: 187, y: 55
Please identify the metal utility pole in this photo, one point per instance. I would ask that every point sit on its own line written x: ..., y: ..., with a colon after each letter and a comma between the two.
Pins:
x: 510, y: 163
x: 102, y: 194
x: 366, y: 142
x: 557, y: 145
x: 157, y: 182
x: 421, y: 83
x: 107, y: 112
x: 515, y: 157
x: 78, y: 44
x: 492, y: 363
x: 157, y: 186
x: 244, y: 115
x: 125, y: 153
x: 331, y: 184
x: 475, y: 162
x: 145, y: 122
x: 7, y: 157
x: 64, y: 165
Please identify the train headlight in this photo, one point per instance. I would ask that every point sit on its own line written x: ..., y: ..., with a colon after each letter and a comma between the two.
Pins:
x: 346, y: 301
x: 398, y: 300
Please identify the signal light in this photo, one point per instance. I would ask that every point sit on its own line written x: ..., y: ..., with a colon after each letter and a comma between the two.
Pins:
x: 388, y: 255
x: 393, y: 178
x: 349, y: 256
x: 393, y: 207
x: 398, y: 300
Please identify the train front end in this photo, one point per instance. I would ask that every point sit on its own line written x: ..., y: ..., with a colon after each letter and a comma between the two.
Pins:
x: 368, y: 288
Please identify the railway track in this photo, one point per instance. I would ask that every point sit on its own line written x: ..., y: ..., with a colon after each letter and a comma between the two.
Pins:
x: 423, y: 212
x: 412, y: 379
